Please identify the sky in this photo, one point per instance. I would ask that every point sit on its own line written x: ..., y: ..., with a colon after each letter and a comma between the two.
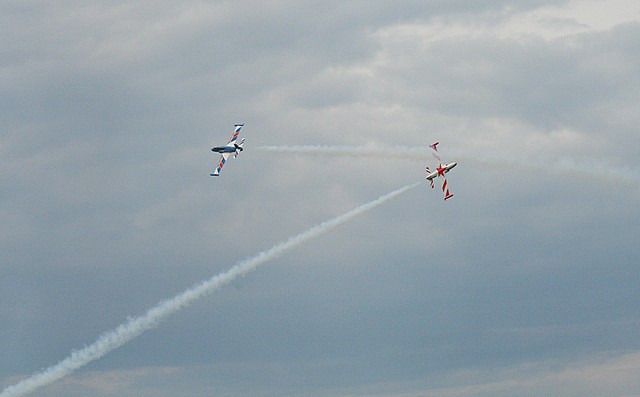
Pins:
x: 523, y: 284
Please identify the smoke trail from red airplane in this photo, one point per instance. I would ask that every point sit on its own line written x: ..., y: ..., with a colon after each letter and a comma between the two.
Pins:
x: 421, y: 153
x: 137, y: 325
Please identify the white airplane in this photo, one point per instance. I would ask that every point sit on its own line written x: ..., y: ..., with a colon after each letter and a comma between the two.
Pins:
x: 440, y: 172
x: 228, y: 149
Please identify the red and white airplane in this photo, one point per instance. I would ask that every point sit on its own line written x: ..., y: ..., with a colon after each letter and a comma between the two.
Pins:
x: 440, y: 172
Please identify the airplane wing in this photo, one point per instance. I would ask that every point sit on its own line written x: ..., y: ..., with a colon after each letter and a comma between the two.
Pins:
x: 445, y: 189
x: 440, y: 172
x: 236, y: 132
x: 223, y: 159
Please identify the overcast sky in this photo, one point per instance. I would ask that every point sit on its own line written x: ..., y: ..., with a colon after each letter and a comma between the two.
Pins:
x: 524, y: 284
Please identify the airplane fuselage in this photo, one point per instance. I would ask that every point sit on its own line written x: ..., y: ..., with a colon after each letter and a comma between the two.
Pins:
x: 443, y: 169
x: 226, y: 149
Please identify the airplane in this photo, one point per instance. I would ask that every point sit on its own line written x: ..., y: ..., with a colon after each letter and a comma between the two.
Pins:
x: 228, y: 149
x: 440, y: 171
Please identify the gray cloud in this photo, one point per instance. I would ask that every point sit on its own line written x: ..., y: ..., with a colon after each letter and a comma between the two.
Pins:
x: 109, y: 112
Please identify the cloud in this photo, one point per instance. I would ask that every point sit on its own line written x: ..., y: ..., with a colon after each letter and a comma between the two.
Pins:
x: 611, y: 375
x: 135, y: 326
x: 110, y: 111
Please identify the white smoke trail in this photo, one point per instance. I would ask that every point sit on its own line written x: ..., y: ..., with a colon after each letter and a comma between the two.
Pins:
x: 137, y: 325
x: 413, y: 153
x: 591, y: 170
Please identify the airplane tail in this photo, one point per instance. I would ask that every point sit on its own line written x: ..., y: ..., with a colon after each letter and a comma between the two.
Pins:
x: 239, y: 148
